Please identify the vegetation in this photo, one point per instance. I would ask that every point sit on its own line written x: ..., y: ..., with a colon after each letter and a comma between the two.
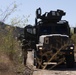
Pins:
x: 9, y: 46
x: 74, y: 38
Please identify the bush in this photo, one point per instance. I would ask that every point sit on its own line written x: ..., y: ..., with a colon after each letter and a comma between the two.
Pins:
x: 10, y: 46
x: 74, y: 38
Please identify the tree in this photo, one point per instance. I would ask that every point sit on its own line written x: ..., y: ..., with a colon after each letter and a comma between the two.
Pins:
x: 8, y: 11
x: 19, y: 21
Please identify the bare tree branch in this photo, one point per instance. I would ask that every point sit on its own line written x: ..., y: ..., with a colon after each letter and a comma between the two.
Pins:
x: 9, y: 10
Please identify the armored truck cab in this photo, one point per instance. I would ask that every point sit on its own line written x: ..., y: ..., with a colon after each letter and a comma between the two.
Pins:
x: 50, y: 39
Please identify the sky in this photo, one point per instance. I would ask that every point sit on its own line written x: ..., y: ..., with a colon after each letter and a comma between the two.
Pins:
x: 28, y: 7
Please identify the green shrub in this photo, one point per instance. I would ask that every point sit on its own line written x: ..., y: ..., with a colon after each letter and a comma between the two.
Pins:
x: 74, y: 38
x: 10, y: 46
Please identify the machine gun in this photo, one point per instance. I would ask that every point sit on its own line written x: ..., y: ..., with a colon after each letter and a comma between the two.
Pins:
x: 52, y: 16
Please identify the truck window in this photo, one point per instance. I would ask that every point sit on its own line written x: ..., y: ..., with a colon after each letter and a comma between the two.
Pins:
x: 44, y: 30
x: 31, y: 30
x: 61, y: 29
x: 53, y: 29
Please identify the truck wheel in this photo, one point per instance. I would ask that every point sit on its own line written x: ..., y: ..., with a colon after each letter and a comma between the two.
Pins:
x: 70, y: 61
x: 35, y: 58
x: 38, y: 66
x: 37, y: 61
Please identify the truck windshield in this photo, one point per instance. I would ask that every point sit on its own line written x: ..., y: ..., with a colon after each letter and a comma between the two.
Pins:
x: 44, y: 30
x: 61, y: 29
x: 56, y: 29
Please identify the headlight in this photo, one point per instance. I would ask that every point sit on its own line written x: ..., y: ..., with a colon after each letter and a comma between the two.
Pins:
x: 40, y: 48
x: 71, y: 47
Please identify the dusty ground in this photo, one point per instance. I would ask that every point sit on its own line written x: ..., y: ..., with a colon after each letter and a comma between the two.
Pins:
x: 8, y: 68
x: 61, y: 70
x: 53, y: 72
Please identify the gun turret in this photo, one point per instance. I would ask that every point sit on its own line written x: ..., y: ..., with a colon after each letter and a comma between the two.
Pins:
x: 52, y: 16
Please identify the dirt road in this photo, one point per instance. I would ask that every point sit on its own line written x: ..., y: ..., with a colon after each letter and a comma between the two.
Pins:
x: 62, y: 70
x: 57, y: 71
x: 53, y: 72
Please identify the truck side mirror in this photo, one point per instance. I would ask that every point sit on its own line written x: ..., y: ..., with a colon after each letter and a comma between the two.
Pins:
x: 38, y: 13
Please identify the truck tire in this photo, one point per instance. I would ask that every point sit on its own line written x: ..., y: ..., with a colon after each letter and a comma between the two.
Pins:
x: 70, y: 61
x: 38, y: 66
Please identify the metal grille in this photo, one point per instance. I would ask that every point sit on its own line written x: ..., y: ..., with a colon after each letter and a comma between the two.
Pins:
x: 58, y: 41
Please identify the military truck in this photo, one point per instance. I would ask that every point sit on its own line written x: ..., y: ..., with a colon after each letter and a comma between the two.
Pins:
x: 50, y: 39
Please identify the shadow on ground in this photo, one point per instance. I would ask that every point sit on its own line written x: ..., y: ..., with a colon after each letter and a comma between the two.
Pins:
x: 63, y: 68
